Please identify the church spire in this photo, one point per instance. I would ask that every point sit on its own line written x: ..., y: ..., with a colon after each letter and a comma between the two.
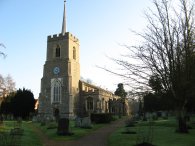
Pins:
x: 64, y: 20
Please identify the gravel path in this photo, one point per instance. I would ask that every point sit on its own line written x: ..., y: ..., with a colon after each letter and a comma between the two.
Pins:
x: 96, y: 138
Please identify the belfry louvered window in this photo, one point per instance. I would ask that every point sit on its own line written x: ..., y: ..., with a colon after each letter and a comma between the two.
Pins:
x: 74, y: 53
x: 57, y: 51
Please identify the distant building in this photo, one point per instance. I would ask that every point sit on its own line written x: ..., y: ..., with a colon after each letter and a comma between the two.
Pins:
x: 36, y: 104
x: 62, y: 91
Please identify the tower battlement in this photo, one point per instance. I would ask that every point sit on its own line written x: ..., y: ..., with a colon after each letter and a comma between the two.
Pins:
x: 67, y: 35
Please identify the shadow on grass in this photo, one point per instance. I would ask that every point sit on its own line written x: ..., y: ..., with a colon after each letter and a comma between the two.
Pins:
x: 128, y: 132
x: 144, y: 144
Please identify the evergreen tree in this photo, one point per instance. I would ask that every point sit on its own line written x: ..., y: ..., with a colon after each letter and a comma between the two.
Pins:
x: 120, y: 91
x: 20, y: 104
x: 23, y: 103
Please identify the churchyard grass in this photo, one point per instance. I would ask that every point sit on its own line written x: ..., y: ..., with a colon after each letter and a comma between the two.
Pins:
x: 163, y: 134
x: 28, y: 138
x: 77, y: 132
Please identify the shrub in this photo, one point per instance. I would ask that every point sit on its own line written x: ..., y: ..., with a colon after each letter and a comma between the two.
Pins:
x: 101, y: 118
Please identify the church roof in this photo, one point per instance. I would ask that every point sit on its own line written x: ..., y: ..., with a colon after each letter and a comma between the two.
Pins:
x: 96, y: 87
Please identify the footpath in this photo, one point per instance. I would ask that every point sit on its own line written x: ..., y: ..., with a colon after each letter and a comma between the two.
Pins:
x: 96, y: 138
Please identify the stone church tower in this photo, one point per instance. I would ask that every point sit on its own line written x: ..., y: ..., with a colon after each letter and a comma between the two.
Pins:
x: 61, y: 74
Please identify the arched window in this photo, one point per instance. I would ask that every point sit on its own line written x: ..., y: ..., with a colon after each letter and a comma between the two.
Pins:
x: 89, y: 103
x: 57, y: 53
x: 56, y: 90
x: 74, y: 53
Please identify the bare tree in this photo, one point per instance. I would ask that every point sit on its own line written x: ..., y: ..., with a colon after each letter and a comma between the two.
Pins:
x: 7, y: 85
x: 167, y: 52
x: 1, y: 53
x: 1, y: 85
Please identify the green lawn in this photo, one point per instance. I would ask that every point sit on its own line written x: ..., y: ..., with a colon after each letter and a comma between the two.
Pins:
x: 29, y: 138
x: 77, y: 132
x: 163, y: 135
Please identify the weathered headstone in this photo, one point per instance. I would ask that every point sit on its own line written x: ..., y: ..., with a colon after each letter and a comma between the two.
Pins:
x: 154, y: 116
x: 63, y: 127
x: 83, y: 122
x: 148, y: 115
x: 78, y: 122
x: 86, y: 122
x: 34, y: 119
x: 43, y: 121
x: 164, y: 115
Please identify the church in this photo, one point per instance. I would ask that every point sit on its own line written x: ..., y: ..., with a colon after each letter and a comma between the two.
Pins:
x: 62, y: 91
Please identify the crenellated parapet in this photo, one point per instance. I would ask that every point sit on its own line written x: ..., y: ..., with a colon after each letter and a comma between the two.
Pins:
x: 57, y: 37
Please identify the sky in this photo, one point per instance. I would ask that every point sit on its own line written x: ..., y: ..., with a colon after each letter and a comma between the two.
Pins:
x: 102, y: 27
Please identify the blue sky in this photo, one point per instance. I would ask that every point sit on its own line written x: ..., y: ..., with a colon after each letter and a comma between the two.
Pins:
x: 100, y: 25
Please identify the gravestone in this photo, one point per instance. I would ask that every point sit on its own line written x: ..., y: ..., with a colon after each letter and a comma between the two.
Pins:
x: 86, y: 122
x: 63, y: 127
x: 43, y: 121
x: 78, y: 122
x: 164, y: 115
x: 83, y: 122
x: 34, y: 119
